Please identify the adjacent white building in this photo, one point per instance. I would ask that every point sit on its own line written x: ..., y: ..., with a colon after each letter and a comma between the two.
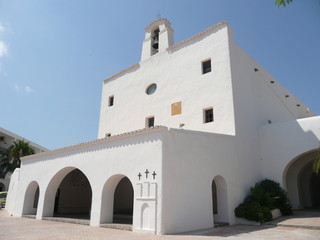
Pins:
x: 7, y: 139
x: 183, y: 135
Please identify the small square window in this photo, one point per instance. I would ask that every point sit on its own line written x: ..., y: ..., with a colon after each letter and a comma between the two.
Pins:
x: 111, y: 101
x: 208, y: 115
x: 150, y: 122
x: 206, y: 66
x: 108, y: 135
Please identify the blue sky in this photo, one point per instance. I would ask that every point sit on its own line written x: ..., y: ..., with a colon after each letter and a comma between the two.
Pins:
x: 54, y: 55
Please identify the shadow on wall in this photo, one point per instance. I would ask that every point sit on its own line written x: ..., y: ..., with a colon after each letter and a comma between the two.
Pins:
x: 117, y: 200
x: 302, y: 184
x: 68, y: 193
x: 289, y: 149
x: 31, y: 198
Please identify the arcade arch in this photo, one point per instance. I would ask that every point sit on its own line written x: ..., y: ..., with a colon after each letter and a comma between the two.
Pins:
x: 301, y: 183
x: 117, y: 200
x: 68, y: 194
x: 31, y: 198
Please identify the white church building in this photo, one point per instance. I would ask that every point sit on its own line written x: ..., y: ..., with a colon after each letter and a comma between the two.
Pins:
x: 183, y: 135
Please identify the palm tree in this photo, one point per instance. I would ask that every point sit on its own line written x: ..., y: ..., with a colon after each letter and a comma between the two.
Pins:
x: 282, y: 2
x: 316, y: 163
x: 11, y: 160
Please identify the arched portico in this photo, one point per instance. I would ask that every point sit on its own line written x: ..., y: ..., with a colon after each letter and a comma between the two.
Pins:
x: 302, y: 185
x: 31, y: 198
x: 68, y: 194
x: 219, y: 200
x: 117, y: 200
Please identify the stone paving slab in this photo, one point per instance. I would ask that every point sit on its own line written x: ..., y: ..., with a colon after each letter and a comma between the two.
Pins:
x: 14, y: 228
x: 308, y: 219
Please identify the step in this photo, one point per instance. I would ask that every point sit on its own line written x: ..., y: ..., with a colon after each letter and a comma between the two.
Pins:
x: 220, y: 224
x: 119, y: 226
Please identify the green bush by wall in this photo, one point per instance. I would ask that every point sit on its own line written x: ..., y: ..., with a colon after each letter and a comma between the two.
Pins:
x: 264, y: 197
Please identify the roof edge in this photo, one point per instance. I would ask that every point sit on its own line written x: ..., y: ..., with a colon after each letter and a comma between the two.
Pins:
x: 122, y: 72
x: 198, y: 35
x: 156, y: 21
x: 169, y: 48
x: 97, y: 141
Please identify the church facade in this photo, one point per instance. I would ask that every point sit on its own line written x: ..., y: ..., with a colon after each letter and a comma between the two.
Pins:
x: 183, y: 135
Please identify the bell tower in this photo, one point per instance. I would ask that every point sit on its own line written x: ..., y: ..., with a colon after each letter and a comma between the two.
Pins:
x: 158, y: 37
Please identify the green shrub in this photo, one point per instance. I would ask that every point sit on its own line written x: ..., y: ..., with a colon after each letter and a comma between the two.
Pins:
x: 249, y: 199
x: 278, y: 194
x: 261, y: 196
x: 285, y: 207
x: 240, y: 211
x: 252, y: 211
x: 266, y: 213
x: 264, y: 197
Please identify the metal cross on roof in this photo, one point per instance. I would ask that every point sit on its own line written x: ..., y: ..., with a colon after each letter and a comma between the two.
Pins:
x: 158, y: 15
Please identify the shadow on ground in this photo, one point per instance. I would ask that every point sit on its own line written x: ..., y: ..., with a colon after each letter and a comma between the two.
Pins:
x: 305, y: 219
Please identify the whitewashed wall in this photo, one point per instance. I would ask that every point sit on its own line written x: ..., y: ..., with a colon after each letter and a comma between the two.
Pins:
x: 99, y: 161
x: 13, y: 197
x: 192, y: 160
x: 178, y: 75
x: 281, y: 143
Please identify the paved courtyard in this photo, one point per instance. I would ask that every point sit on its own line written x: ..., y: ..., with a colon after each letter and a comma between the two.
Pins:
x: 304, y: 227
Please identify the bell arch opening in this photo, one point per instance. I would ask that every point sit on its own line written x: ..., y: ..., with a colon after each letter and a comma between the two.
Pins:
x: 155, y: 41
x: 219, y: 200
x: 117, y: 200
x: 301, y: 183
x: 68, y: 195
x: 31, y: 199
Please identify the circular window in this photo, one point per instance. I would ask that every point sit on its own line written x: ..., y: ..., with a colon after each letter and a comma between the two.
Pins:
x: 151, y: 89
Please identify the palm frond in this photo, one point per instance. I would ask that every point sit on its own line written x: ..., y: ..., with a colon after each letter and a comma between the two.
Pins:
x: 10, y: 161
x: 316, y: 163
x: 282, y: 2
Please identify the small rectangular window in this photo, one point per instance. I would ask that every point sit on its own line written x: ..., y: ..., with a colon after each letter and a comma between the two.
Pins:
x: 111, y: 101
x: 208, y: 115
x: 108, y: 135
x: 175, y: 108
x: 150, y: 122
x: 206, y: 66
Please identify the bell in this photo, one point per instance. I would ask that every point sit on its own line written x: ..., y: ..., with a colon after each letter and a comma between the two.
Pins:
x: 155, y: 44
